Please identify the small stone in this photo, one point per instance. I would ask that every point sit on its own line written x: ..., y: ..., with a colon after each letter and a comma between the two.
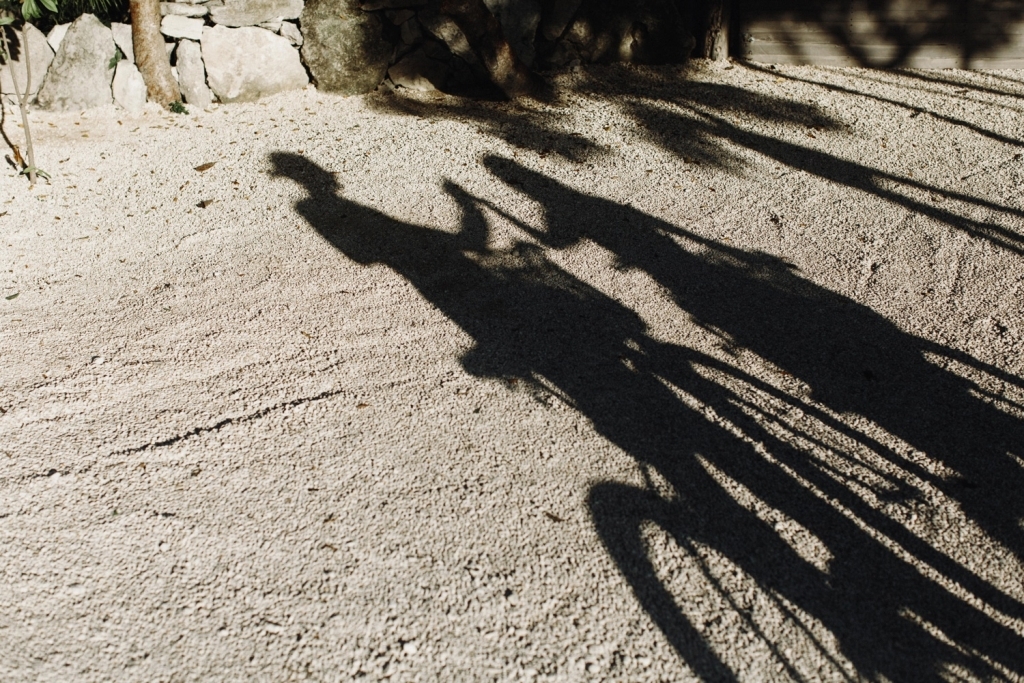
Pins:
x: 129, y: 89
x: 411, y: 32
x: 192, y: 75
x: 409, y: 648
x: 444, y: 29
x: 244, y: 64
x: 176, y: 26
x: 436, y: 50
x: 399, y: 17
x: 81, y: 73
x: 56, y: 35
x: 182, y: 9
x: 98, y: 360
x: 417, y: 71
x: 123, y: 40
x: 238, y: 13
x: 291, y: 32
x: 40, y: 56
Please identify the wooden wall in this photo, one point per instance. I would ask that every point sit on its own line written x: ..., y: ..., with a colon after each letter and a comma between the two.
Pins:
x: 927, y: 34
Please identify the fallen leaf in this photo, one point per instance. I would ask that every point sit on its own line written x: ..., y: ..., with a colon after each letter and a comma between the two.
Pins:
x: 362, y: 405
x: 205, y: 167
x: 12, y: 296
x: 307, y: 335
x: 553, y: 517
x: 204, y: 203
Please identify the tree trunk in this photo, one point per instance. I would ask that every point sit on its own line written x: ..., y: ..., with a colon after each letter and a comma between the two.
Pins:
x: 716, y: 37
x: 483, y: 31
x: 150, y: 53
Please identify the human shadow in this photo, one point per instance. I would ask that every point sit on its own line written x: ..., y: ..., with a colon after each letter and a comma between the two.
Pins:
x: 533, y: 321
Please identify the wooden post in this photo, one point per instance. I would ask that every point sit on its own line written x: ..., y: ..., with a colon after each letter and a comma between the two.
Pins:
x: 716, y: 36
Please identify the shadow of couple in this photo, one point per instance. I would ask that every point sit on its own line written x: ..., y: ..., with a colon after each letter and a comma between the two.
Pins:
x: 879, y: 431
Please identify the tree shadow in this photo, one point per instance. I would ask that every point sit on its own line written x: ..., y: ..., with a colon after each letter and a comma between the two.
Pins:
x: 709, y: 123
x: 680, y: 118
x: 915, y: 110
x: 896, y: 606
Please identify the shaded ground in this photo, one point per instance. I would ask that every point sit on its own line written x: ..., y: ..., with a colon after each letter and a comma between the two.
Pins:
x: 693, y: 374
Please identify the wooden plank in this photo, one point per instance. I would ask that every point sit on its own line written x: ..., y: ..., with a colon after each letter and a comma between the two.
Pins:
x: 716, y: 38
x: 845, y: 61
x: 785, y: 41
x: 836, y: 56
x: 915, y: 28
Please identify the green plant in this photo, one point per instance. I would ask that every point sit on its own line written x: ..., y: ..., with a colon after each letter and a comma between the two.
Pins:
x: 177, y: 107
x: 27, y: 11
x: 105, y: 10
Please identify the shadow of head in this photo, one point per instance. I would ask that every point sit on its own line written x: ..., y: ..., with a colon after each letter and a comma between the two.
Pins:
x: 315, y: 179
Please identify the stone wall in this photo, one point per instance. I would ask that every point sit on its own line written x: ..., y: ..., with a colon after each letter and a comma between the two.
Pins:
x: 240, y: 50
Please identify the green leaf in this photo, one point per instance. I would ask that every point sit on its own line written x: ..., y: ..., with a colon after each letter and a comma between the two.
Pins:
x: 30, y: 10
x: 49, y: 4
x: 6, y: 20
x: 38, y: 171
x: 12, y: 296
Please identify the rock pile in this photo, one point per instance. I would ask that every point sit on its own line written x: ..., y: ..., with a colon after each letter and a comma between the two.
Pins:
x: 238, y: 50
x: 226, y: 50
x: 432, y: 52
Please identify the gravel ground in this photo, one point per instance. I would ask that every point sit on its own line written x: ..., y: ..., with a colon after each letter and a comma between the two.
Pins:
x: 707, y: 373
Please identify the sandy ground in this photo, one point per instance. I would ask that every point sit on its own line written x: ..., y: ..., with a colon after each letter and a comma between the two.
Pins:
x: 709, y: 373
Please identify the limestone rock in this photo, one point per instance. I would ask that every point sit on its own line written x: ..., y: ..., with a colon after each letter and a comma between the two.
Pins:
x: 123, y: 40
x: 177, y: 26
x: 411, y: 32
x: 39, y: 55
x: 56, y: 35
x: 642, y: 32
x: 343, y: 46
x: 129, y: 88
x: 81, y: 72
x: 192, y: 75
x: 182, y: 9
x: 417, y: 71
x: 291, y: 32
x: 519, y: 20
x: 254, y: 12
x: 272, y: 26
x: 244, y: 64
x: 444, y: 29
x: 557, y: 16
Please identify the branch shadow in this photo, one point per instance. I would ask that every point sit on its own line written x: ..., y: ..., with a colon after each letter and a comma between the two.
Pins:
x: 710, y: 123
x: 887, y: 595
